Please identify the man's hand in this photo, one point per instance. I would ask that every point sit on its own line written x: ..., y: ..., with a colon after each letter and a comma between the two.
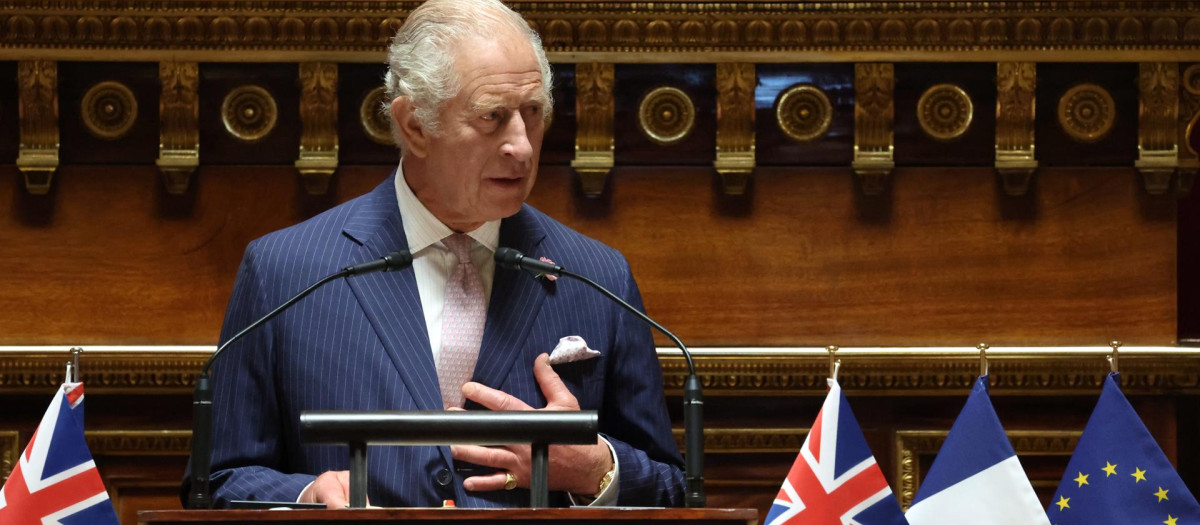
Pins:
x: 331, y: 488
x: 573, y: 468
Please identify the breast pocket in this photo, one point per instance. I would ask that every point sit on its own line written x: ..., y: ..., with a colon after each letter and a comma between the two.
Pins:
x: 585, y: 380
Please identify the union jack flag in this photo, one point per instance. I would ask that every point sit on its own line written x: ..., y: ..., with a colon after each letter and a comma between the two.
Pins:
x: 835, y: 480
x: 55, y: 481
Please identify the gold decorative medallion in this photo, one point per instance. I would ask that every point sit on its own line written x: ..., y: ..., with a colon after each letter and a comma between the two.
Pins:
x: 373, y: 119
x: 804, y: 112
x: 666, y: 115
x: 1086, y: 113
x: 109, y: 110
x: 1191, y: 79
x: 945, y: 111
x: 249, y: 113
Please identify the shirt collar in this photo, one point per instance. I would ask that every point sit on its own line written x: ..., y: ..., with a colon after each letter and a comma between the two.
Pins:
x: 423, y: 229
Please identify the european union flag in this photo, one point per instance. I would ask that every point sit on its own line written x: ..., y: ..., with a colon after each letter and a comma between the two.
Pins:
x: 1118, y: 475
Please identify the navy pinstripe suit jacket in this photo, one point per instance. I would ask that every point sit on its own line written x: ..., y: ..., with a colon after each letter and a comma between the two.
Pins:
x: 361, y: 344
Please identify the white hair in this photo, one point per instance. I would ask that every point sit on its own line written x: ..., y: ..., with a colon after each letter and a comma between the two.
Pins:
x: 421, y: 57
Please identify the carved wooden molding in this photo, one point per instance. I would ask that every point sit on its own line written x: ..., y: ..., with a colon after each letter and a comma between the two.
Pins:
x: 749, y: 440
x: 874, y: 110
x: 723, y: 372
x: 1015, y: 97
x: 139, y: 442
x: 10, y: 448
x: 1189, y: 111
x: 594, y: 112
x: 735, y: 125
x: 1158, y: 114
x: 877, y: 31
x: 38, y: 157
x: 911, y: 444
x: 318, y: 115
x: 179, y: 132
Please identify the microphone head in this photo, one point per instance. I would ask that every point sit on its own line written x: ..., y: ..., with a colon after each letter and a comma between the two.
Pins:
x: 509, y: 258
x: 397, y: 260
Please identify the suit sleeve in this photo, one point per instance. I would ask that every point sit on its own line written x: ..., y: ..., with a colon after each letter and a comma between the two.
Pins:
x: 249, y: 455
x: 634, y: 416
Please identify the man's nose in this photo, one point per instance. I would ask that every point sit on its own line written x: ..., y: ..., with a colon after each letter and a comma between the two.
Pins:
x: 516, y: 140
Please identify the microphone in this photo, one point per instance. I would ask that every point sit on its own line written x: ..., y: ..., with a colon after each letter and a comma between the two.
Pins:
x: 199, y: 496
x: 693, y: 398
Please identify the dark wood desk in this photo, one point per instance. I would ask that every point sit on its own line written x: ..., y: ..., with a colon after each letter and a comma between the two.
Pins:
x: 581, y: 516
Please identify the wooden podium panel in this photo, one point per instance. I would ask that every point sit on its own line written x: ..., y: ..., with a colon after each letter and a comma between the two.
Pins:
x: 577, y: 515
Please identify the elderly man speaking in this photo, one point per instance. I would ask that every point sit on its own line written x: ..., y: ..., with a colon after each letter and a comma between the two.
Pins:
x: 469, y: 86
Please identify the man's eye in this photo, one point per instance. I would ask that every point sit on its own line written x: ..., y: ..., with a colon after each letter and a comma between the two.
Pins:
x: 491, y: 115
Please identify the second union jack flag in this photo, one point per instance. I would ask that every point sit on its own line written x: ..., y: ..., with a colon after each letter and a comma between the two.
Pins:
x: 55, y: 481
x: 835, y: 480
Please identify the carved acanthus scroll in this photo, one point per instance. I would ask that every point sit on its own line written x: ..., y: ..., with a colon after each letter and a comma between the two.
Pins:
x: 38, y: 155
x: 318, y: 116
x: 594, y: 112
x: 1015, y: 160
x: 1158, y: 117
x: 874, y: 110
x: 179, y: 131
x: 735, y: 125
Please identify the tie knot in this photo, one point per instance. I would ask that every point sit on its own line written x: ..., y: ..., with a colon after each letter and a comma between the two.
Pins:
x: 460, y: 245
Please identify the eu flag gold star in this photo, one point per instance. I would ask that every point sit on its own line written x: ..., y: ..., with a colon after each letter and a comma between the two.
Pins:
x: 1162, y: 494
x: 1138, y: 474
x: 1082, y: 479
x: 1109, y: 469
x: 1170, y: 520
x: 1063, y: 503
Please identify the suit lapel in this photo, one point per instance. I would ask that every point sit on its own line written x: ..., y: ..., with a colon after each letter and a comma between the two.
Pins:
x: 390, y: 299
x: 516, y: 299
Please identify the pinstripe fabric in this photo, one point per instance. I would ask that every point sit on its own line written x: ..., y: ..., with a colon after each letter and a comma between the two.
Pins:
x: 362, y: 344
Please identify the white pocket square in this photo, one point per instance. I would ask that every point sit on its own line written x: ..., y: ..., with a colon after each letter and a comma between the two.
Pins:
x: 570, y: 349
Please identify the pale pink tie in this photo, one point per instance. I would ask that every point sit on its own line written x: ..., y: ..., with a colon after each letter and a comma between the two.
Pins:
x: 462, y: 322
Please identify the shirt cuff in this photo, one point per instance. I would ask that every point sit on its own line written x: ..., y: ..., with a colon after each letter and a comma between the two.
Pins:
x: 304, y: 489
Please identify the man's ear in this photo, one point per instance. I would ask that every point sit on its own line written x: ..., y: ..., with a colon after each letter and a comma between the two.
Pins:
x: 414, y: 135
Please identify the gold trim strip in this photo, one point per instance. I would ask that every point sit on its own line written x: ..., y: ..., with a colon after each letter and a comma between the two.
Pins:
x: 872, y: 31
x: 723, y: 371
x: 139, y: 442
x: 912, y: 443
x: 749, y: 440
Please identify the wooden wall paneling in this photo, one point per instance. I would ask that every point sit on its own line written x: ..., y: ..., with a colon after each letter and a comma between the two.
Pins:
x: 946, y: 111
x: 276, y: 147
x: 1118, y: 147
x: 107, y: 110
x: 635, y: 82
x: 1188, y: 246
x: 10, y: 130
x: 833, y: 147
x: 356, y: 144
x: 949, y: 265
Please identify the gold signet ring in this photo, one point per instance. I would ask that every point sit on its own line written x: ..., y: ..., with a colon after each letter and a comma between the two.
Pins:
x: 510, y: 481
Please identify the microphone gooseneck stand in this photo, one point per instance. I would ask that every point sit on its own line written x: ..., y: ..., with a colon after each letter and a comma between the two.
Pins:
x: 693, y: 397
x: 199, y: 495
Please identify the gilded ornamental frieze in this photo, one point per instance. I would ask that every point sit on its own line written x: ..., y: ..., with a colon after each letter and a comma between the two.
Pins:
x: 724, y: 372
x: 598, y: 31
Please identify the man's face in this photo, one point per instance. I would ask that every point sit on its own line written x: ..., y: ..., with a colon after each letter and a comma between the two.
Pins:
x: 482, y: 164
